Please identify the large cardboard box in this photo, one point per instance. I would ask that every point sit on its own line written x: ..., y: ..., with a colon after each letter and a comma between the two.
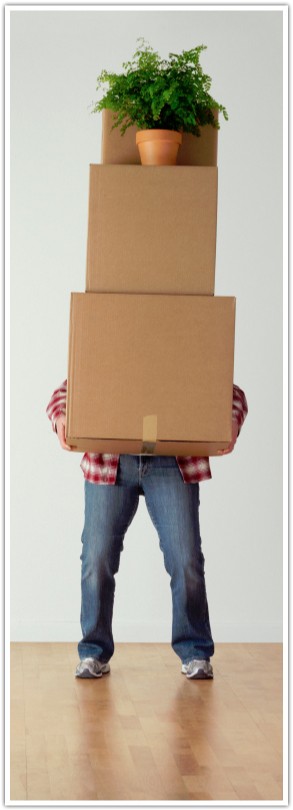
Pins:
x: 193, y: 151
x: 152, y: 229
x: 150, y: 373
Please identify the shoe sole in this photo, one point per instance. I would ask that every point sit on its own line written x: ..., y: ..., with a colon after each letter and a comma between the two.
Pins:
x: 86, y: 673
x: 200, y: 675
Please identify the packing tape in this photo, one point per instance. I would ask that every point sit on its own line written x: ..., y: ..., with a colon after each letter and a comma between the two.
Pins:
x: 149, y: 434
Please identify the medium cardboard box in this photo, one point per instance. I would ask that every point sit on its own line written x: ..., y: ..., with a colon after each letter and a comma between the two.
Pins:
x: 152, y: 229
x: 150, y: 373
x: 192, y: 152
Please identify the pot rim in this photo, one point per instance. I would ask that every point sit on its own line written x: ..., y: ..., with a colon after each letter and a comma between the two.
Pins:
x: 158, y: 135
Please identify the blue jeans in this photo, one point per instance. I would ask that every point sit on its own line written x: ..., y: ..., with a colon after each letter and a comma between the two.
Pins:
x: 173, y: 508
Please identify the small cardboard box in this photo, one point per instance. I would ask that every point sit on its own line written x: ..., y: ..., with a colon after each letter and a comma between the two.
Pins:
x: 152, y: 229
x: 150, y: 373
x: 193, y: 151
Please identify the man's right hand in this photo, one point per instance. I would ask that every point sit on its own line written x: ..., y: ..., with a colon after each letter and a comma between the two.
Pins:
x: 60, y: 426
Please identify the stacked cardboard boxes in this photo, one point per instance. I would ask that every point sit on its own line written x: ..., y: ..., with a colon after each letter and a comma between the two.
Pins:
x: 151, y: 349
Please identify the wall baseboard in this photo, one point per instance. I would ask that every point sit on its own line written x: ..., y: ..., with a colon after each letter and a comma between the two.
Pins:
x: 157, y: 632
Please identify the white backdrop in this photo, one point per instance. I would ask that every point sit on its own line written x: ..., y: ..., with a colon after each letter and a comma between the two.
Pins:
x: 56, y: 55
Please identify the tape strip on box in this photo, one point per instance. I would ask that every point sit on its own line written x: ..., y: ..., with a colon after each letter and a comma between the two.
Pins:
x: 149, y: 434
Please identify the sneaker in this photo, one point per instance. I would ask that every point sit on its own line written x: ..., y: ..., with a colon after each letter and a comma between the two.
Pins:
x: 91, y: 668
x: 198, y: 669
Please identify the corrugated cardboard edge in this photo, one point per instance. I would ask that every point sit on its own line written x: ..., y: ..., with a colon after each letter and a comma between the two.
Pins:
x: 233, y: 349
x: 87, y: 274
x: 93, y: 178
x: 216, y: 171
x: 103, y: 135
x: 216, y: 224
x: 133, y: 447
x: 69, y: 397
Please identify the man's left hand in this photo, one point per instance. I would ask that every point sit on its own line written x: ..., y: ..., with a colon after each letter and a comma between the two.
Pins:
x: 233, y: 442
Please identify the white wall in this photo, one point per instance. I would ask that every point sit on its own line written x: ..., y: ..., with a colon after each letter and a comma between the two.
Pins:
x: 56, y: 56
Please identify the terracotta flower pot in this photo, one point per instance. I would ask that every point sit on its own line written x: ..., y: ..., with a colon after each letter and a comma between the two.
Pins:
x: 158, y: 147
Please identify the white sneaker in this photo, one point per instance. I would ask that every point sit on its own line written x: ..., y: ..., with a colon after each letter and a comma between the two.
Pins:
x: 198, y: 669
x: 91, y: 668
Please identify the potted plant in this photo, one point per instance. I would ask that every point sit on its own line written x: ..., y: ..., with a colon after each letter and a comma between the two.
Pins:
x: 162, y: 97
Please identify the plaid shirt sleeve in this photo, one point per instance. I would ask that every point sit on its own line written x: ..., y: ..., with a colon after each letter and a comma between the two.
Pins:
x: 57, y: 404
x: 239, y: 407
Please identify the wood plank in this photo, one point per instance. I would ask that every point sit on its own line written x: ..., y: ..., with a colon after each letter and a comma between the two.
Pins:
x: 144, y: 732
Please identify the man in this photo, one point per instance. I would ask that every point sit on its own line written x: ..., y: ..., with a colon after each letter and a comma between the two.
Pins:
x: 171, y: 489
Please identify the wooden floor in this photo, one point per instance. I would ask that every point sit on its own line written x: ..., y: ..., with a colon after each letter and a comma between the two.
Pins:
x: 144, y: 732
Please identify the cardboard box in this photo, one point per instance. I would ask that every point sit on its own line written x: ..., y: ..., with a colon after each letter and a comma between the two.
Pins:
x: 152, y: 229
x: 192, y: 152
x: 150, y: 373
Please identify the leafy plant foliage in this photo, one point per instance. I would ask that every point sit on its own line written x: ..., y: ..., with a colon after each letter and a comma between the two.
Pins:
x: 156, y: 93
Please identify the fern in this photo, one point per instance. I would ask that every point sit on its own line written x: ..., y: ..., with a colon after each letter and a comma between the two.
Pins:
x: 156, y: 93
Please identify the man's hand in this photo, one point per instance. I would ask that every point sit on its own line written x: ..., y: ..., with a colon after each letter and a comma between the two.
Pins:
x: 60, y: 425
x: 233, y: 442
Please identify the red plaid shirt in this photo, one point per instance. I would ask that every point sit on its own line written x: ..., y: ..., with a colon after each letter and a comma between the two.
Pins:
x: 101, y: 468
